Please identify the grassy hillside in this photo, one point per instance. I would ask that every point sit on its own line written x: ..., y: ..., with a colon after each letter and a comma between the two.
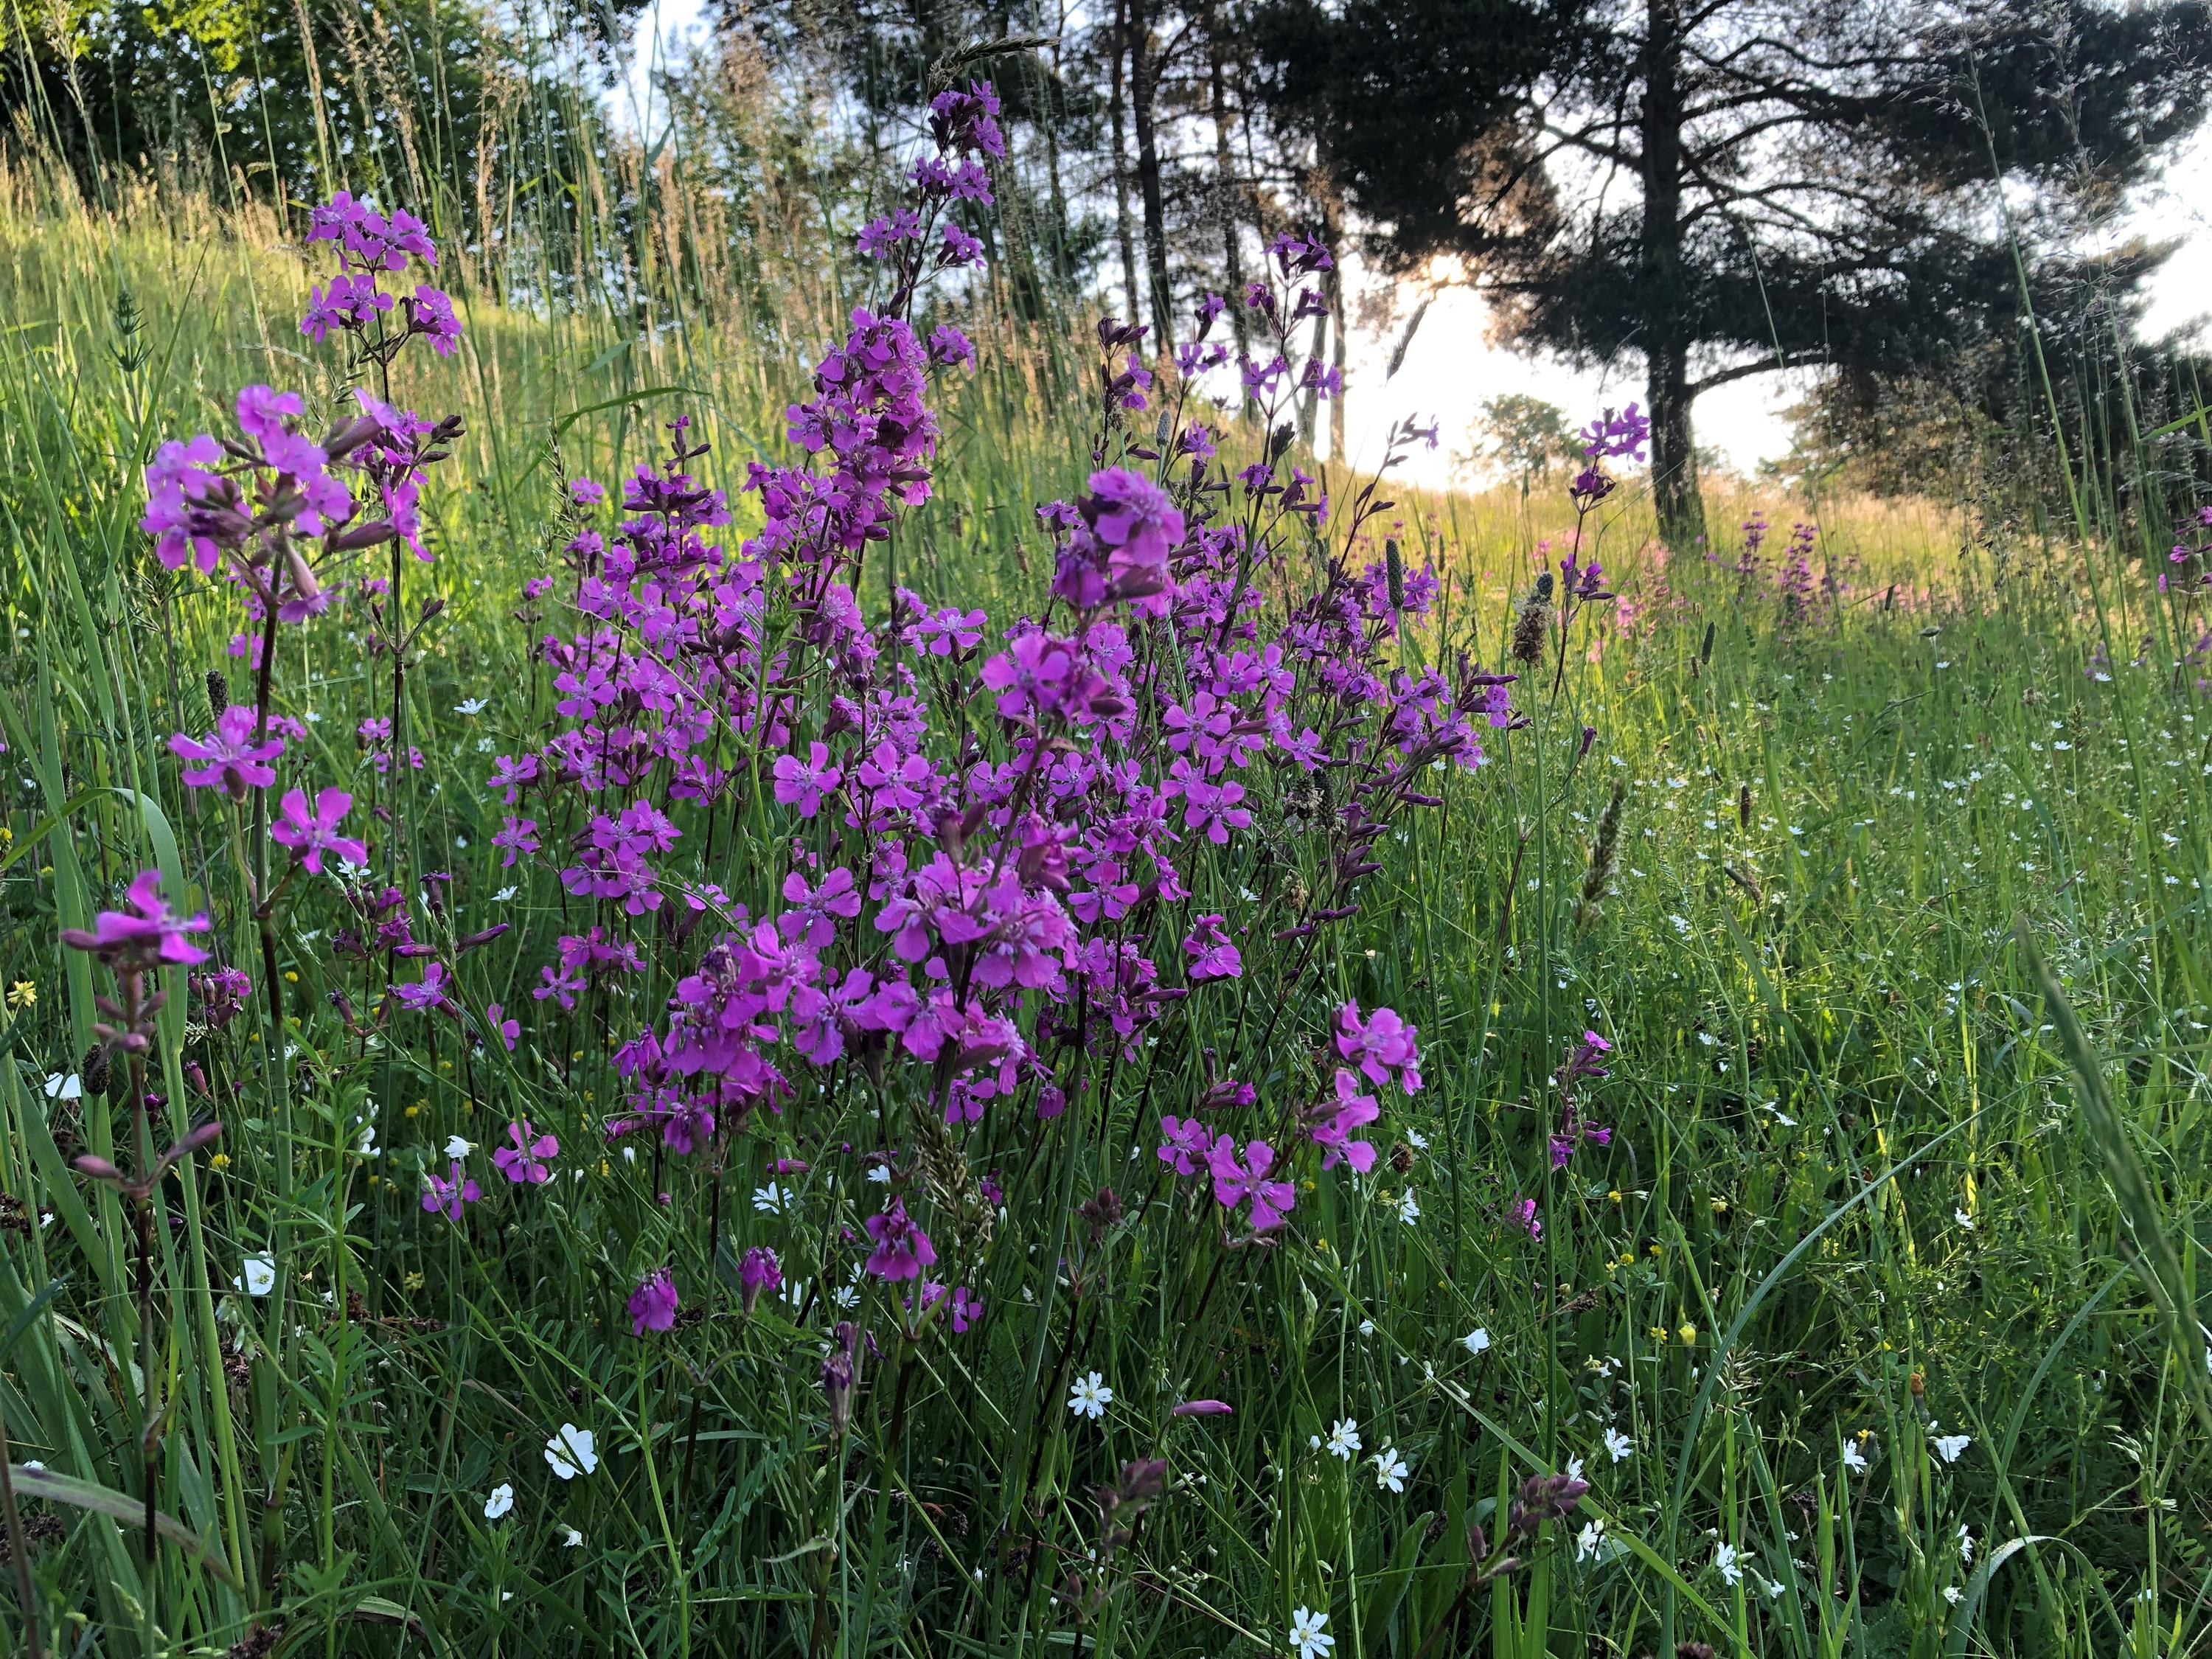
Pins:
x: 1870, y: 1328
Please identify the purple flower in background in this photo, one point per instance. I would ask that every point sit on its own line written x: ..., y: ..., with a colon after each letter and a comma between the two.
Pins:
x: 523, y: 1162
x: 803, y: 783
x: 758, y: 1271
x: 949, y: 347
x: 1128, y: 511
x: 223, y: 995
x: 516, y: 837
x: 1236, y: 1179
x: 901, y: 1249
x: 346, y: 301
x: 1212, y: 956
x: 145, y: 934
x: 228, y: 758
x: 967, y: 1310
x: 1380, y: 1043
x: 1203, y: 1408
x: 966, y: 121
x: 430, y: 994
x: 311, y: 832
x: 653, y: 1304
x: 1184, y: 1143
x: 1334, y: 1121
x: 1610, y: 435
x: 434, y: 320
x: 193, y: 511
x: 957, y: 248
x: 444, y: 1195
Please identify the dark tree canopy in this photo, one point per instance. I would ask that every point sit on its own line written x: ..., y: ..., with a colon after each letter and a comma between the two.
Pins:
x: 1725, y: 186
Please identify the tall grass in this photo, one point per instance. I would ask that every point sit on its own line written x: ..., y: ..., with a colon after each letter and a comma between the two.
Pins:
x: 1854, y: 1205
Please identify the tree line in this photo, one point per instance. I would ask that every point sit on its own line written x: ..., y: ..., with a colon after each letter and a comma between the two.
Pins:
x: 1700, y: 190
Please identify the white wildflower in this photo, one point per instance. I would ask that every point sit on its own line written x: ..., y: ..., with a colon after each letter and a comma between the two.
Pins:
x: 1090, y: 1397
x: 571, y: 1452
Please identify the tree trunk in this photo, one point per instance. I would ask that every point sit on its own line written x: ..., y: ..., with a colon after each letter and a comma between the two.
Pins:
x: 1664, y: 289
x: 1121, y: 167
x: 1148, y: 177
x: 1230, y: 193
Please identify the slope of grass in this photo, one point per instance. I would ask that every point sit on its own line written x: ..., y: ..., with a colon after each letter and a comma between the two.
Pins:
x: 1852, y: 1207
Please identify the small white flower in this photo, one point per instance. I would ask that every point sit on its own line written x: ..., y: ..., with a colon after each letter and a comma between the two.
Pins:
x: 1408, y: 1210
x: 1948, y: 1446
x: 260, y: 1276
x: 1618, y: 1444
x: 1390, y: 1470
x: 503, y: 895
x: 1587, y: 1540
x: 1090, y: 1397
x: 1724, y: 1559
x: 472, y: 706
x: 456, y: 1147
x: 880, y: 1173
x: 1963, y: 1218
x: 368, y: 1147
x: 1854, y: 1459
x: 1953, y: 1594
x: 570, y: 1537
x: 846, y: 1296
x: 1417, y: 1140
x: 1309, y: 1637
x: 1574, y: 1468
x: 34, y: 1465
x: 1965, y: 1545
x: 1367, y: 1328
x: 61, y: 1087
x: 771, y: 1200
x: 571, y: 1452
x: 1476, y: 1341
x: 1343, y: 1438
x: 500, y: 1501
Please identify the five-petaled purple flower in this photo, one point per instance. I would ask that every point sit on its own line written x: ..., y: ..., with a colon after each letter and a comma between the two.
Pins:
x: 229, y: 758
x: 444, y: 1195
x: 523, y: 1162
x: 311, y: 832
x: 147, y: 933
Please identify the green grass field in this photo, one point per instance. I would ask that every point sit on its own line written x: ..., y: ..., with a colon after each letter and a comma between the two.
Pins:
x: 1873, y: 1329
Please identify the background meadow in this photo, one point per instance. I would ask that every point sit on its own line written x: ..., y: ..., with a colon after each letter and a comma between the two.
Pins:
x: 1871, y: 1328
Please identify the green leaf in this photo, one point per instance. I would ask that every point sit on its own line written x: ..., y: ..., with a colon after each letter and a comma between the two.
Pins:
x: 119, y: 1506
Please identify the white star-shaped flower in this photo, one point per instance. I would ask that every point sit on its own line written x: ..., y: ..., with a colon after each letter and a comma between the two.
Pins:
x: 1390, y: 1470
x: 1090, y: 1397
x: 1309, y: 1637
x: 571, y: 1452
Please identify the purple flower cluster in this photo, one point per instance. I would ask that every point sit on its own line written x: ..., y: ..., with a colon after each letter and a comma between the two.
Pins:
x: 986, y: 865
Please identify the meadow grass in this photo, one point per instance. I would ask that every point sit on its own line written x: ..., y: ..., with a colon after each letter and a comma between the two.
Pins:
x: 1872, y: 1328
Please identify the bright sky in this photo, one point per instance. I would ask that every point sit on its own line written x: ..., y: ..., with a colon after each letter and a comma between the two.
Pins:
x: 1450, y: 370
